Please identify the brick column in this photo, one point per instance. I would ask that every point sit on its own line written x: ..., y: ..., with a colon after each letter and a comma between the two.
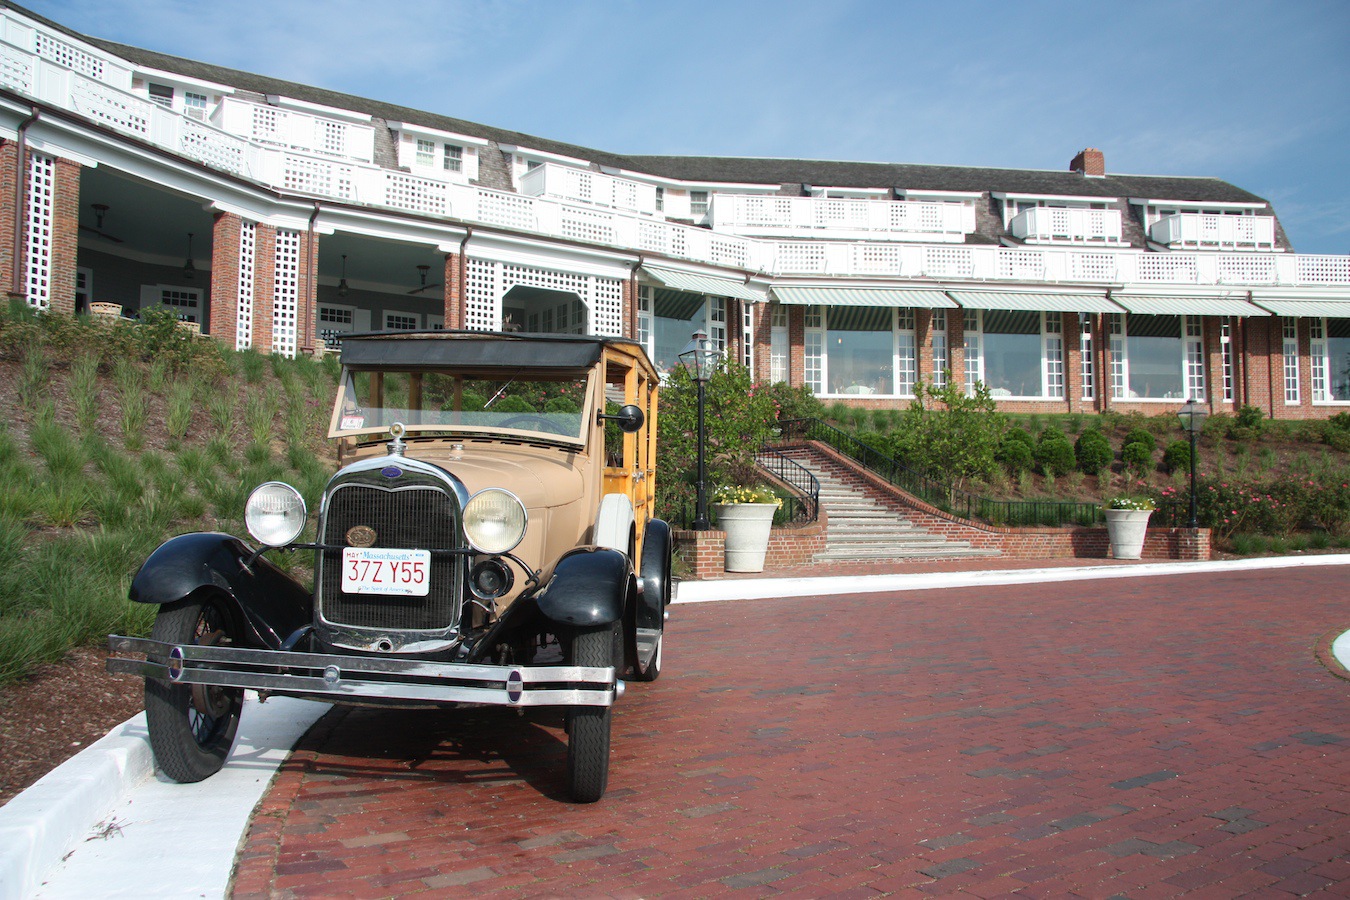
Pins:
x: 224, y: 325
x: 264, y: 286
x: 11, y: 218
x: 956, y: 346
x: 735, y: 329
x: 307, y: 301
x: 1260, y: 362
x: 923, y: 346
x: 65, y: 235
x: 1101, y: 353
x: 1072, y: 335
x: 764, y: 341
x: 454, y: 293
x: 1305, y: 397
x: 796, y: 345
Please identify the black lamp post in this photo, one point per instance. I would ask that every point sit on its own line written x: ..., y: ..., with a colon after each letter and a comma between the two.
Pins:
x: 1193, y: 417
x: 700, y: 361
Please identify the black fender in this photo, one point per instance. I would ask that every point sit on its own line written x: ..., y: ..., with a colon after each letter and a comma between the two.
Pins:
x: 268, y: 604
x: 590, y: 587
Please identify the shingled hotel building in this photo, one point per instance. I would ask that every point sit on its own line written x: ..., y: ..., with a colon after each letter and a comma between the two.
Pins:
x: 279, y: 215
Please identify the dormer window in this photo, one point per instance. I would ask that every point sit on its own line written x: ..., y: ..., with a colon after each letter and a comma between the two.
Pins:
x: 161, y: 94
x: 194, y: 104
x: 698, y: 204
x: 660, y: 199
x: 426, y: 153
x: 453, y: 158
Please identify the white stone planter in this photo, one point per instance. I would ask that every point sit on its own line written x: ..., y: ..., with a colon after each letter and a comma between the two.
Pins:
x: 1126, y: 529
x: 747, y: 526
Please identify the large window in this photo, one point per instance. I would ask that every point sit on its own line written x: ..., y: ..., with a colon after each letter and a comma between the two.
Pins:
x: 1331, y: 360
x: 1289, y: 349
x: 860, y: 351
x: 941, y: 359
x: 667, y: 320
x: 1156, y: 358
x: 778, y: 344
x: 1018, y: 353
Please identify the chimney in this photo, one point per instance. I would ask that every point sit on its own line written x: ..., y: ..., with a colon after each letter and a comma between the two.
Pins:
x: 1089, y: 162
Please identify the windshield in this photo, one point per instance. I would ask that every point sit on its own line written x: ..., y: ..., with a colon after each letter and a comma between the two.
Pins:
x: 546, y: 405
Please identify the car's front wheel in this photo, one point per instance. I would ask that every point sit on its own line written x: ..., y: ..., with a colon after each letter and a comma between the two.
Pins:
x: 588, y: 727
x: 192, y: 726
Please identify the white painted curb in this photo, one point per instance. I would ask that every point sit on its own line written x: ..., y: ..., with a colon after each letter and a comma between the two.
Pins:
x: 47, y: 821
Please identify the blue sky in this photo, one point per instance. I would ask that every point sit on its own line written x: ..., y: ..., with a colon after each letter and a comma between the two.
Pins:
x: 1257, y: 93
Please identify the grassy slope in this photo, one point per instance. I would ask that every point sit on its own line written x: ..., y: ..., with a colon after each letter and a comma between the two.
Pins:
x: 119, y: 437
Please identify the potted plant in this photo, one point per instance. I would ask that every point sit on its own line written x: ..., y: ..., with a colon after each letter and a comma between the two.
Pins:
x: 746, y: 515
x: 1126, y: 525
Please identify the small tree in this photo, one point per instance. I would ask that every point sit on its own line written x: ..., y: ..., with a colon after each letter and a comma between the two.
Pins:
x: 945, y: 431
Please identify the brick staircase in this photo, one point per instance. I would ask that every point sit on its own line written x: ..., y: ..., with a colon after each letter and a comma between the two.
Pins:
x: 862, y: 525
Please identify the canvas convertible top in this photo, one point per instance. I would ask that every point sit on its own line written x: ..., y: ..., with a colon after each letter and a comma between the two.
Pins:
x: 476, y: 349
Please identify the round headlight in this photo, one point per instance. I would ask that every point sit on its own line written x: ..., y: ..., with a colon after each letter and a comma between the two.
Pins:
x: 275, y: 513
x: 494, y: 521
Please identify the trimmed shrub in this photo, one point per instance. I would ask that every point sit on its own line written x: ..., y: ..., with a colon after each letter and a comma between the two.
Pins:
x: 1021, y: 436
x: 1141, y: 436
x: 1138, y: 458
x: 1177, y: 456
x: 1093, y: 451
x: 1054, y: 453
x: 1016, y: 456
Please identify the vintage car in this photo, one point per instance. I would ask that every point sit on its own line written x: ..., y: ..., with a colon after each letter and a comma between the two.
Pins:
x: 488, y: 538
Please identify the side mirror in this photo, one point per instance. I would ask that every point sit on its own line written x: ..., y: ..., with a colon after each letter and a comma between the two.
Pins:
x: 629, y: 417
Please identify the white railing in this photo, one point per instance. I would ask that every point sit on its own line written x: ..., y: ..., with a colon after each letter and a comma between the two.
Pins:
x: 295, y: 130
x: 1206, y: 232
x: 619, y: 225
x: 809, y: 216
x: 584, y: 186
x: 1049, y: 265
x: 1044, y: 223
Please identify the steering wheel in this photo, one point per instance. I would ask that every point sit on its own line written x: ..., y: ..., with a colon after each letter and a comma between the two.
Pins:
x: 543, y: 423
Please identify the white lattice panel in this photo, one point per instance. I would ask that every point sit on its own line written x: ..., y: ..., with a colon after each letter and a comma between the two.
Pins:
x: 728, y: 251
x: 248, y: 251
x: 1323, y: 269
x: 313, y: 176
x: 948, y: 262
x: 418, y: 194
x: 1021, y: 264
x: 679, y: 241
x: 482, y: 311
x: 801, y: 257
x: 267, y: 125
x: 210, y: 146
x: 506, y: 209
x: 1092, y: 267
x: 67, y: 55
x: 653, y: 236
x: 1247, y: 269
x: 16, y: 70
x: 874, y: 259
x: 840, y: 214
x: 1180, y: 268
x: 587, y: 225
x: 286, y: 293
x: 38, y: 237
x: 113, y: 108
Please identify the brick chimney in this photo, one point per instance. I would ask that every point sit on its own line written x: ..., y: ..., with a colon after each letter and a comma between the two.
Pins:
x: 1089, y: 162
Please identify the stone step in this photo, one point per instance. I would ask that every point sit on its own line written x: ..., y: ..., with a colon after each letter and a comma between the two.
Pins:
x: 882, y: 538
x: 889, y: 553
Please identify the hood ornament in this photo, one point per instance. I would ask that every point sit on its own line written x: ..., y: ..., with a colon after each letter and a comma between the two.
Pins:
x: 396, y: 446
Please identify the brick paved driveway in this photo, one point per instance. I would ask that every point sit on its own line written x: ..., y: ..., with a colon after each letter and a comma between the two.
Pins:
x: 1146, y: 737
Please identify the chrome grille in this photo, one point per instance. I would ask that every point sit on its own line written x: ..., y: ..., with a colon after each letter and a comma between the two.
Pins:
x: 406, y: 518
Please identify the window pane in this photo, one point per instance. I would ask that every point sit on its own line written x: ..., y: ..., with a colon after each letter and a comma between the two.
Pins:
x: 1338, y: 353
x: 860, y: 350
x: 1012, y: 353
x: 1153, y: 347
x: 677, y: 316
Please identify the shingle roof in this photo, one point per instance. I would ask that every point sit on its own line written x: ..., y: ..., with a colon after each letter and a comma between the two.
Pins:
x: 709, y: 168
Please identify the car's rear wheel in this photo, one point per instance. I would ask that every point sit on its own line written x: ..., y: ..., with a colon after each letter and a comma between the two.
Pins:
x: 191, y: 726
x: 588, y: 727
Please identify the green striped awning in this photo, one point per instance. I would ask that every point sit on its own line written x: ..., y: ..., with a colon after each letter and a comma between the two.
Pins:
x: 851, y: 296
x: 1188, y: 306
x: 1308, y: 309
x: 702, y: 284
x: 1069, y: 303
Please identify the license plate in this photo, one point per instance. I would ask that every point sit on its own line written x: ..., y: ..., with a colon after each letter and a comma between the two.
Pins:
x: 374, y: 570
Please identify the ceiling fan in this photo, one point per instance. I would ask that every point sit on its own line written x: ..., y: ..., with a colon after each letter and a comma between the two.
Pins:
x: 422, y: 271
x: 100, y: 209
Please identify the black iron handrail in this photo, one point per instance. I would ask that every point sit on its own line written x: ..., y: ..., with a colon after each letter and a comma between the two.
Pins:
x: 942, y: 494
x: 795, y: 476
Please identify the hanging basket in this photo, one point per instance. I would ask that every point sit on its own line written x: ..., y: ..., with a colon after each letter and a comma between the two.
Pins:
x: 747, y: 527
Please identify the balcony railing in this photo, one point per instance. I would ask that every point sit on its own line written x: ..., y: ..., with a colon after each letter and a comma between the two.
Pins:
x: 1044, y: 224
x: 294, y: 130
x: 889, y: 220
x: 104, y: 96
x: 1193, y: 231
x: 581, y: 186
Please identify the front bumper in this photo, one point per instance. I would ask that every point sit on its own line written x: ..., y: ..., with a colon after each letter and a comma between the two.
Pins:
x: 340, y: 677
